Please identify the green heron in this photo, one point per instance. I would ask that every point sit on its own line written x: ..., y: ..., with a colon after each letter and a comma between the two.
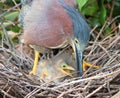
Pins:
x: 57, y: 68
x: 53, y: 24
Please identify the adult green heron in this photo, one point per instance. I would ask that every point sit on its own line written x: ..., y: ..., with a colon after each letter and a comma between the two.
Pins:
x: 53, y: 24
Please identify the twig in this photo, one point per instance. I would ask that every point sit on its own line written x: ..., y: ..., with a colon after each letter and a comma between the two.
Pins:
x: 88, y: 79
x: 9, y: 41
x: 6, y: 94
x: 10, y: 10
x: 97, y: 37
x: 109, y: 23
x: 111, y: 12
x: 16, y: 4
x: 89, y: 95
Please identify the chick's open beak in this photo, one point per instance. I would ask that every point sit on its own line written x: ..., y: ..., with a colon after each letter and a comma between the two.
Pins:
x: 67, y: 70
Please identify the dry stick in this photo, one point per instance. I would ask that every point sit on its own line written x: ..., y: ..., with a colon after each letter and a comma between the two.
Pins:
x: 93, y: 30
x: 96, y: 47
x: 71, y: 90
x: 63, y: 93
x: 92, y: 49
x: 22, y: 55
x: 16, y: 4
x: 87, y: 79
x: 110, y: 61
x: 44, y: 92
x: 2, y: 42
x: 6, y: 94
x: 89, y: 95
x: 114, y: 29
x: 74, y: 89
x: 6, y: 84
x: 31, y: 93
x: 88, y: 84
x: 98, y: 37
x: 113, y: 20
x: 13, y: 54
x: 111, y: 12
x: 113, y: 42
x: 108, y: 87
x: 8, y: 90
x: 15, y: 23
x: 104, y: 53
x: 36, y: 90
x: 6, y: 36
x: 107, y: 38
x: 10, y: 43
x: 115, y: 66
x: 109, y: 46
x: 100, y: 87
x: 112, y: 67
x: 89, y: 67
x: 105, y: 50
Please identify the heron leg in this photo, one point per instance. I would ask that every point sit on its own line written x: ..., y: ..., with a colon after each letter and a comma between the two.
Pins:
x: 34, y: 69
x: 85, y: 64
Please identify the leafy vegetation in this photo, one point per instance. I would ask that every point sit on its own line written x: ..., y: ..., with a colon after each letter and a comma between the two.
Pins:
x: 99, y: 10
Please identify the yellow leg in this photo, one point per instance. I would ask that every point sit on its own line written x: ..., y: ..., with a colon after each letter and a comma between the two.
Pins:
x: 85, y: 64
x: 34, y: 69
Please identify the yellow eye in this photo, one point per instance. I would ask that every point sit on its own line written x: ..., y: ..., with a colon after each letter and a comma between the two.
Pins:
x: 76, y: 41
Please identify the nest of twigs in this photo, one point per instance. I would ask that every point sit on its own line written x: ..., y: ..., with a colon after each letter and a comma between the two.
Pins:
x: 99, y: 83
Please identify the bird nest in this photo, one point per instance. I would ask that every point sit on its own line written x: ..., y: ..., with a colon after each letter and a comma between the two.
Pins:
x: 99, y: 83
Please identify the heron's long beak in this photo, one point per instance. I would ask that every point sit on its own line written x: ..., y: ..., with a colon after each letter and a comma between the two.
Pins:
x: 79, y: 55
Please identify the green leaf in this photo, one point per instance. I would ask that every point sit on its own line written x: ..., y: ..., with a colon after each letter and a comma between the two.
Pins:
x: 81, y: 3
x: 103, y: 12
x: 90, y: 8
x: 116, y: 10
x: 108, y: 30
x: 11, y: 16
x: 94, y: 21
x: 13, y: 28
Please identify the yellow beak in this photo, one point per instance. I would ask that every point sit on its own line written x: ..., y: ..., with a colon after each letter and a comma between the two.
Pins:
x: 67, y: 70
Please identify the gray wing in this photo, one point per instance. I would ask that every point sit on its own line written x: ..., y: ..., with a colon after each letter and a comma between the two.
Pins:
x: 25, y: 8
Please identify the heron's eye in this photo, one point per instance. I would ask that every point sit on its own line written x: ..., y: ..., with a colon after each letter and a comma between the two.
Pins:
x: 76, y: 41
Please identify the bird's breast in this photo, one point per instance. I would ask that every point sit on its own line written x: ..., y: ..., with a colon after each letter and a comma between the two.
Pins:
x: 50, y: 28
